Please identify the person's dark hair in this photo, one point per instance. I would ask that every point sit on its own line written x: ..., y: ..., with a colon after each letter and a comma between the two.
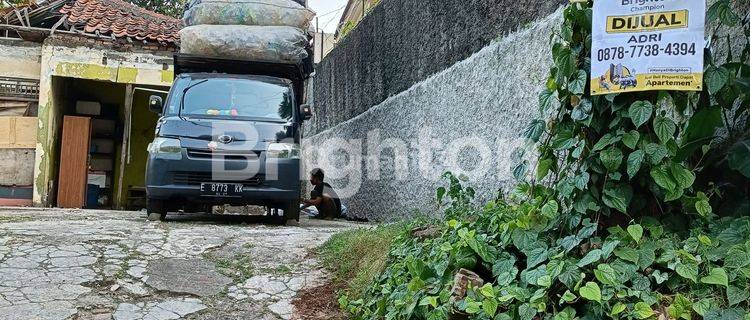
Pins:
x: 318, y: 173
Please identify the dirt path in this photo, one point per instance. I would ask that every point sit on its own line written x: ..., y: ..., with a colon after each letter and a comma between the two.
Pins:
x: 63, y: 264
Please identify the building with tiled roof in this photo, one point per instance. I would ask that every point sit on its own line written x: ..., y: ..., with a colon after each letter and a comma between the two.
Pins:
x: 58, y: 55
x: 115, y: 20
x: 119, y: 19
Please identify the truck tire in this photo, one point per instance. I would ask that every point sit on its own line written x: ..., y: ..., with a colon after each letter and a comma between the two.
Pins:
x: 291, y: 211
x: 156, y: 210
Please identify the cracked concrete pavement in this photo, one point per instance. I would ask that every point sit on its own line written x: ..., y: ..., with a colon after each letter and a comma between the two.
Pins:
x: 74, y: 264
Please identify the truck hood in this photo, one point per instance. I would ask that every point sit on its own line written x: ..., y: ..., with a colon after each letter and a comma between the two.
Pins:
x: 198, y: 133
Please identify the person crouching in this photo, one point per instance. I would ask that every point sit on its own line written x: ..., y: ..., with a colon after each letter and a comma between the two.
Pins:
x: 323, y: 197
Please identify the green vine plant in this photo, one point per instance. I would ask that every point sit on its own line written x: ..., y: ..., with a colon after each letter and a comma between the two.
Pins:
x: 637, y: 206
x: 632, y: 155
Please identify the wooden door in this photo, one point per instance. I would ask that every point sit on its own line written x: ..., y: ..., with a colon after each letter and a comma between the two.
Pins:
x: 74, y: 156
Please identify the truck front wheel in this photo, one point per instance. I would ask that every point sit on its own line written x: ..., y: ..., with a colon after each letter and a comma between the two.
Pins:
x: 156, y: 210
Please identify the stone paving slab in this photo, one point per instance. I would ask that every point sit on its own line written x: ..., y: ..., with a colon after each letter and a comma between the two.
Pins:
x: 76, y: 264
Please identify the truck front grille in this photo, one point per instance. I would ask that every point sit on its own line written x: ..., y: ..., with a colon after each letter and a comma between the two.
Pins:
x: 196, y: 178
x: 227, y: 155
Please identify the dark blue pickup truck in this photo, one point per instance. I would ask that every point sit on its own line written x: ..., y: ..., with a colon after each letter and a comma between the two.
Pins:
x: 229, y: 135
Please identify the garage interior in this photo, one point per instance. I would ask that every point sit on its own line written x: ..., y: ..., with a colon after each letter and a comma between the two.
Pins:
x: 100, y: 143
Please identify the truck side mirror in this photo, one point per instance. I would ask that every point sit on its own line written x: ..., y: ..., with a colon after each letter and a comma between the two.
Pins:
x: 156, y: 104
x: 307, y: 113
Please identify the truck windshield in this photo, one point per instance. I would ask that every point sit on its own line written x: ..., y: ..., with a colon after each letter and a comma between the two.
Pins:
x: 233, y: 98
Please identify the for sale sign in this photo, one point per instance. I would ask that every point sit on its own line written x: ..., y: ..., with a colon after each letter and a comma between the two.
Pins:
x: 641, y: 45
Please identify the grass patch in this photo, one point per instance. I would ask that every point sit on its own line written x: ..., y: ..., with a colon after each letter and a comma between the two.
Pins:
x: 282, y: 270
x: 239, y: 268
x: 248, y: 245
x: 358, y: 256
x: 278, y: 271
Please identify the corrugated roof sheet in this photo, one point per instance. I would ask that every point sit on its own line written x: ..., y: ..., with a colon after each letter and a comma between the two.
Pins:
x: 121, y: 19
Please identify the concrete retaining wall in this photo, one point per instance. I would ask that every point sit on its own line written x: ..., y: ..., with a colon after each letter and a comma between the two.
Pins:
x: 486, y: 100
x: 402, y: 42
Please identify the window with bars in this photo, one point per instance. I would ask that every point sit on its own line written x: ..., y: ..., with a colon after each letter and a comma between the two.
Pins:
x: 19, y: 89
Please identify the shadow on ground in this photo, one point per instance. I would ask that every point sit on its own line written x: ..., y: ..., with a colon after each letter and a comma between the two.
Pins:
x: 219, y: 218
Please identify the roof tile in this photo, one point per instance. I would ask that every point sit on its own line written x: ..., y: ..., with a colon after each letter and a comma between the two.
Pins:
x: 122, y: 19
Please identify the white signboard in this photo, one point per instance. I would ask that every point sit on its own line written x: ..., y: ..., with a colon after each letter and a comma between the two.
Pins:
x: 641, y: 45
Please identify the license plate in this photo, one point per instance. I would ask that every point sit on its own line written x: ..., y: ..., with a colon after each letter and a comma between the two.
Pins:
x: 210, y: 189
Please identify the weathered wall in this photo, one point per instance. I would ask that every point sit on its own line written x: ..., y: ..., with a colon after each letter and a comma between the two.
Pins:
x: 487, y: 99
x: 17, y: 167
x: 402, y: 42
x: 20, y: 59
x: 324, y: 43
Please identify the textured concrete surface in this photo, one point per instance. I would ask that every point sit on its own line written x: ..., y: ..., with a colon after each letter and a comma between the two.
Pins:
x: 20, y: 58
x: 489, y: 97
x: 72, y: 264
x: 17, y: 167
x: 402, y: 42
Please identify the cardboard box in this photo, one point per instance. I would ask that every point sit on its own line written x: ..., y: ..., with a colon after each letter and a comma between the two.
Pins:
x: 100, y: 179
x: 90, y: 108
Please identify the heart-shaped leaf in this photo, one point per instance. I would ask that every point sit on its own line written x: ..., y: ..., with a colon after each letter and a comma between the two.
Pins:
x: 703, y: 207
x: 662, y: 177
x: 635, y: 160
x: 640, y: 112
x: 716, y: 79
x: 684, y: 177
x: 688, y: 270
x: 578, y: 84
x: 535, y: 130
x: 618, y: 196
x: 631, y: 139
x: 545, y: 100
x: 664, y: 128
x: 550, y: 209
x: 717, y: 276
x: 636, y: 232
x: 643, y: 310
x: 611, y: 158
x: 591, y: 292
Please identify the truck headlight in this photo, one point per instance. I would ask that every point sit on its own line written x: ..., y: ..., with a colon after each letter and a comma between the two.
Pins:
x: 283, y: 151
x: 166, y: 148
